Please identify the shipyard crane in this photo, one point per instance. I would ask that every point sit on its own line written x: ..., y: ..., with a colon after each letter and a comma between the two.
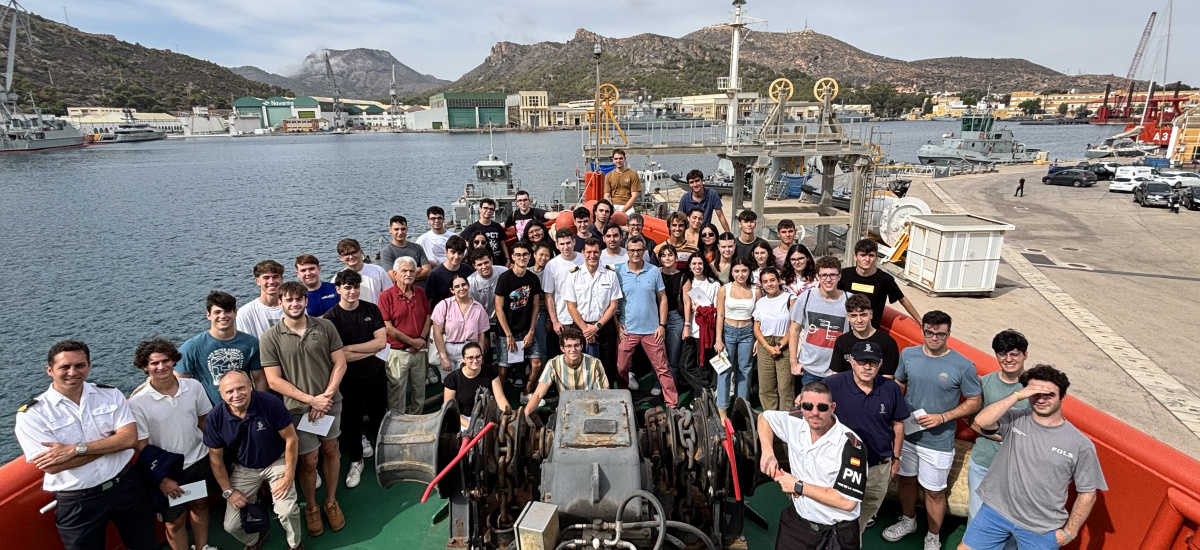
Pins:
x: 1125, y: 107
x: 337, y: 99
x: 392, y: 92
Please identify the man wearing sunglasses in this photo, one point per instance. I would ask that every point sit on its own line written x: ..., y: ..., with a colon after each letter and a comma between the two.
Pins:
x: 934, y: 376
x: 828, y: 472
x: 1025, y: 491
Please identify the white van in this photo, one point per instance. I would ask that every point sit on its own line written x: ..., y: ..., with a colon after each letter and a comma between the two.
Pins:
x: 1134, y: 171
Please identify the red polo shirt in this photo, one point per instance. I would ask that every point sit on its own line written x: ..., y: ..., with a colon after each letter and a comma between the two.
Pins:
x: 407, y: 314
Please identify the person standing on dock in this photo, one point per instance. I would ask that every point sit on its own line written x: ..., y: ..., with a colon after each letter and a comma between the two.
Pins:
x: 700, y: 197
x: 516, y: 298
x: 635, y: 223
x: 1025, y: 491
x: 259, y: 315
x: 880, y: 286
x: 81, y: 436
x: 321, y: 295
x: 209, y: 355
x: 622, y: 186
x: 1020, y: 188
x: 305, y: 363
x: 934, y: 377
x: 858, y: 313
x: 555, y: 277
x: 494, y: 232
x: 434, y: 240
x: 818, y: 319
x: 400, y: 246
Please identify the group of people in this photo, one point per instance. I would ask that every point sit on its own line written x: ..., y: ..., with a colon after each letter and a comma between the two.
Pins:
x: 277, y: 389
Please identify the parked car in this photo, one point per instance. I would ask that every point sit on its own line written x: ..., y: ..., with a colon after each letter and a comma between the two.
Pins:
x: 1110, y: 165
x: 1130, y: 171
x: 1191, y: 198
x: 1180, y: 179
x: 1126, y: 184
x: 1073, y: 176
x: 1153, y: 193
x: 1101, y: 171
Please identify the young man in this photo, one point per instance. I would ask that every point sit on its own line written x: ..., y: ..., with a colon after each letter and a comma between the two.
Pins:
x: 517, y: 297
x: 787, y: 237
x: 643, y: 320
x: 266, y: 454
x: 635, y: 223
x: 592, y: 293
x: 820, y: 314
x: 483, y: 283
x: 1011, y: 349
x: 259, y: 315
x: 573, y: 370
x: 622, y: 186
x: 828, y: 472
x: 706, y: 199
x: 493, y: 231
x: 375, y: 279
x: 583, y: 227
x: 400, y: 247
x: 406, y: 316
x: 676, y: 226
x: 170, y: 415
x: 1025, y: 492
x: 434, y: 240
x: 437, y: 286
x: 364, y: 387
x: 209, y: 355
x: 81, y: 436
x: 304, y: 362
x: 864, y: 278
x: 613, y: 255
x: 934, y: 376
x: 321, y: 295
x: 524, y: 214
x: 747, y: 223
x: 555, y: 276
x: 601, y: 215
x: 858, y: 312
x: 873, y: 406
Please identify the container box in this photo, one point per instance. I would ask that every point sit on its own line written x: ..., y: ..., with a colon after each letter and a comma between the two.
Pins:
x: 954, y: 253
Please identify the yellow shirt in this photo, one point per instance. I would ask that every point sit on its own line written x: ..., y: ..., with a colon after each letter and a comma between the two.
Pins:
x: 621, y: 185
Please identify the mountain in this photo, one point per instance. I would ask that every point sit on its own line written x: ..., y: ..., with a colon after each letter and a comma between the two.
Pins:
x: 361, y: 73
x: 67, y: 66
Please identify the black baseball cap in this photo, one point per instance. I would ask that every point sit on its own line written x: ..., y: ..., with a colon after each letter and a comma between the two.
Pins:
x: 867, y: 351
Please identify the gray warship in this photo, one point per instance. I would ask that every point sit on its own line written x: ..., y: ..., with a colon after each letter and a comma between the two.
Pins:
x: 977, y: 143
x: 21, y: 131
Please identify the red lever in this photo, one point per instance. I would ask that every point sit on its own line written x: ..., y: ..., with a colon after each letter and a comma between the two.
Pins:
x: 462, y: 451
x: 728, y: 444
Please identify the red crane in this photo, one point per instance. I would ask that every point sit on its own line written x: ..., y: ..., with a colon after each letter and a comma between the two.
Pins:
x: 1124, y: 108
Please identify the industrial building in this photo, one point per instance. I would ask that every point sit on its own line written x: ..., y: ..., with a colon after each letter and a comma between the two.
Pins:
x: 458, y: 111
x: 271, y: 112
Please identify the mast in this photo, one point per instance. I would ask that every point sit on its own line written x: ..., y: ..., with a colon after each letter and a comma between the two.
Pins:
x: 12, y: 48
x: 733, y: 87
x: 337, y: 100
x: 392, y: 91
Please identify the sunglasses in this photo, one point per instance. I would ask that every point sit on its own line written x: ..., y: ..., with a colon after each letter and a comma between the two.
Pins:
x: 821, y: 407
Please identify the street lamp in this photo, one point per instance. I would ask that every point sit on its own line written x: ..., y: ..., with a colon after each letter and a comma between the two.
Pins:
x: 596, y: 106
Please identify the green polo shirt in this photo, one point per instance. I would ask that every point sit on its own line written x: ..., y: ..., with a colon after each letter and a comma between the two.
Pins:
x: 304, y: 360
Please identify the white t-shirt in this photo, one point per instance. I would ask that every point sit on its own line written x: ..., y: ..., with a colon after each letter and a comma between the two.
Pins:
x: 607, y: 259
x: 484, y: 290
x: 553, y: 279
x: 434, y: 245
x: 170, y: 420
x: 375, y: 280
x: 255, y: 317
x: 773, y: 314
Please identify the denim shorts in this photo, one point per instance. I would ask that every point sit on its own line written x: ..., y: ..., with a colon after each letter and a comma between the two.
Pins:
x: 990, y: 531
x: 531, y: 352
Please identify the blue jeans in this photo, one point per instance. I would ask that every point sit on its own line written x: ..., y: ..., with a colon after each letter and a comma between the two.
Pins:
x: 674, y: 341
x: 990, y: 531
x: 975, y: 474
x: 806, y: 378
x: 739, y: 343
x: 539, y: 333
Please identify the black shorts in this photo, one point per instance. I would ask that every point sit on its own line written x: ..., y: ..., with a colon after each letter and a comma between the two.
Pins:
x: 200, y: 471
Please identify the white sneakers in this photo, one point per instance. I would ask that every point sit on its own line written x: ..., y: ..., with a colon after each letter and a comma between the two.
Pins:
x: 656, y: 391
x: 933, y: 542
x: 368, y: 449
x: 633, y: 385
x: 354, y: 475
x: 901, y: 529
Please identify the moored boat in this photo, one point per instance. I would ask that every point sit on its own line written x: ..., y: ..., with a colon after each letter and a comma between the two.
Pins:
x: 978, y: 142
x: 27, y: 132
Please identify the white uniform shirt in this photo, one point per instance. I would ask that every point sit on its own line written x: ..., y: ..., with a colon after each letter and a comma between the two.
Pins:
x: 434, y: 245
x: 554, y: 280
x: 170, y: 421
x: 591, y: 293
x: 100, y: 412
x: 819, y: 463
x: 255, y: 317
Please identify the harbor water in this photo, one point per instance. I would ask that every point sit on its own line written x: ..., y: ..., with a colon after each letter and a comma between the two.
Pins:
x: 115, y: 244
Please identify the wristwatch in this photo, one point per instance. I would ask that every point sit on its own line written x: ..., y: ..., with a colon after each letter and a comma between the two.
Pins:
x: 80, y: 449
x: 226, y: 494
x: 799, y: 488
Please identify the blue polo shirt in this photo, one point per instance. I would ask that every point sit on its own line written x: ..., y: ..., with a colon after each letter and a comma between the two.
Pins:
x: 322, y: 299
x: 639, y: 307
x: 870, y: 415
x: 261, y: 445
x: 710, y: 202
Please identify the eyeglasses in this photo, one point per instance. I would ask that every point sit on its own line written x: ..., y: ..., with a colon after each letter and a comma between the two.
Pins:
x: 798, y: 259
x: 936, y: 335
x: 821, y: 407
x: 635, y: 252
x: 520, y: 254
x: 473, y: 358
x: 487, y: 207
x: 829, y: 275
x: 436, y: 218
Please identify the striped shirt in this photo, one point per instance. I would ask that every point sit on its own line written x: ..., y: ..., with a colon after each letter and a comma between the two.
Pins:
x: 589, y: 375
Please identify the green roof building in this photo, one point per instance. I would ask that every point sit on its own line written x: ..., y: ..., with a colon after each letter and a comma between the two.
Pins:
x: 465, y: 111
x: 273, y: 110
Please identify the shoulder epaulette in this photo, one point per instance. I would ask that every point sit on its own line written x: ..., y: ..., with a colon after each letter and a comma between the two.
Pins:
x: 852, y: 440
x: 25, y: 406
x: 610, y: 268
x: 574, y: 269
x: 106, y: 387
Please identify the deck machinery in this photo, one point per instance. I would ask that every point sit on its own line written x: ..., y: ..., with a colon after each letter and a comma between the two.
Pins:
x: 595, y: 471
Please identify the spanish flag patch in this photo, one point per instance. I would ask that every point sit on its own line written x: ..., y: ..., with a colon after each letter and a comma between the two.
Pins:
x: 855, y: 461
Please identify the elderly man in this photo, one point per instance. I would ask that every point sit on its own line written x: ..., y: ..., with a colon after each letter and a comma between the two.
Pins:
x: 255, y: 428
x: 828, y: 472
x: 81, y: 436
x: 406, y: 318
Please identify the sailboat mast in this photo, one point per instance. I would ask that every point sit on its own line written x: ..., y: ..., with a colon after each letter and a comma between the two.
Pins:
x: 12, y: 52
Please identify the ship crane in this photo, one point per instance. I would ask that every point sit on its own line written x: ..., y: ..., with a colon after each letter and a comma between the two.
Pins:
x: 1125, y: 107
x: 337, y: 99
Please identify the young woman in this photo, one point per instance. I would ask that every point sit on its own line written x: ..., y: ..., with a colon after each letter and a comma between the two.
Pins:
x: 763, y: 258
x: 700, y: 286
x: 708, y: 242
x: 776, y: 388
x: 695, y: 221
x: 735, y: 332
x: 535, y: 234
x: 673, y: 281
x: 462, y: 384
x: 479, y: 241
x: 457, y: 322
x: 799, y: 273
x: 542, y: 253
x: 726, y: 247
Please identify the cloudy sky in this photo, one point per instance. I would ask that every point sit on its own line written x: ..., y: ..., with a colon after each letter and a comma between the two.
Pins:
x: 450, y: 37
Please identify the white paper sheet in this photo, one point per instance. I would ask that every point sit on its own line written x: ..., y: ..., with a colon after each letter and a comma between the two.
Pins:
x: 699, y: 297
x: 910, y: 423
x: 721, y: 362
x: 320, y: 427
x: 191, y: 491
x: 519, y: 355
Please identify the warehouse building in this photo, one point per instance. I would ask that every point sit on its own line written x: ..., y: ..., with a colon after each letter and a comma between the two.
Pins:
x: 271, y: 112
x: 455, y: 111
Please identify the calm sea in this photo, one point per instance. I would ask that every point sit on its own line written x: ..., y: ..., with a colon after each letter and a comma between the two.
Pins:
x: 114, y: 244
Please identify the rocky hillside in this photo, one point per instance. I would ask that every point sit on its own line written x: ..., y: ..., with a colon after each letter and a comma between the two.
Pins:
x: 361, y: 73
x: 67, y: 66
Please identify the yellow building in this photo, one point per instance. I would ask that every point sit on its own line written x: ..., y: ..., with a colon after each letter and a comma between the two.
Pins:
x: 716, y: 106
x: 534, y: 109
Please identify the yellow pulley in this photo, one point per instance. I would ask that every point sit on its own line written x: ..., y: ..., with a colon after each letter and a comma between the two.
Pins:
x: 608, y: 95
x: 878, y: 153
x: 781, y: 90
x: 823, y: 86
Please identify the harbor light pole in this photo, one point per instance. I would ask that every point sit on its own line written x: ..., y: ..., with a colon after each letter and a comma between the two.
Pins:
x: 596, y: 108
x: 733, y: 86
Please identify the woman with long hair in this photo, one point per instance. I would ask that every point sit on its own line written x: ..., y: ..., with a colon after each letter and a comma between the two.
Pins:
x: 535, y: 234
x: 700, y: 286
x: 726, y: 248
x: 707, y: 245
x: 799, y: 271
x: 761, y: 257
x: 776, y: 383
x: 673, y: 284
x: 735, y: 332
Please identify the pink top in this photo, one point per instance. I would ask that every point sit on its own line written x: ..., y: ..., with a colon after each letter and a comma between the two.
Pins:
x: 459, y: 328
